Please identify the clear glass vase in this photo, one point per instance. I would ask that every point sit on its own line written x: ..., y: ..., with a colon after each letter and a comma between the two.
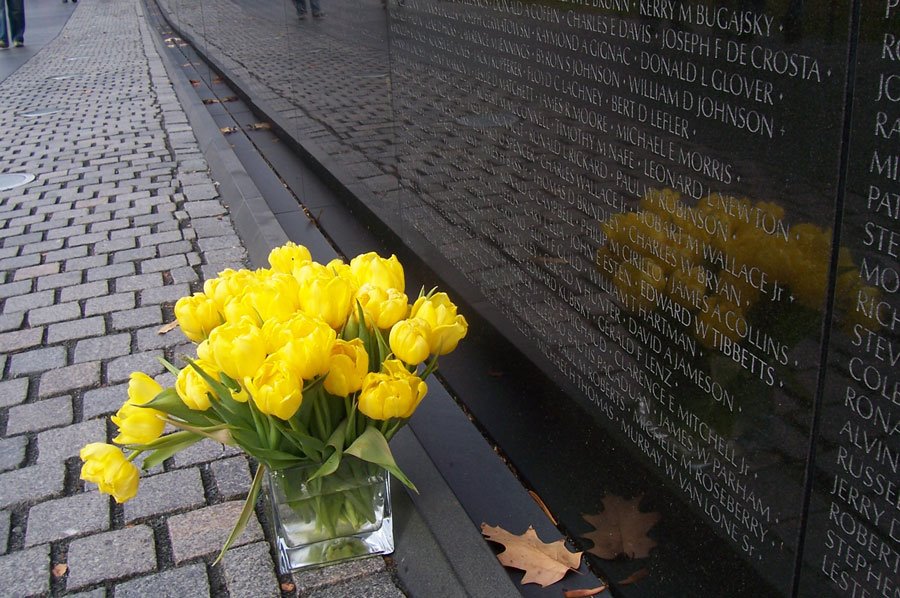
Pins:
x: 343, y: 516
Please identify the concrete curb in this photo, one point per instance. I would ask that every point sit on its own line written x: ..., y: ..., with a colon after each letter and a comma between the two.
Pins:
x: 253, y: 219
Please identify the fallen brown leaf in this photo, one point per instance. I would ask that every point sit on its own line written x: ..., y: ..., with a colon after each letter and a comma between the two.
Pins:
x: 228, y: 130
x: 543, y: 506
x: 259, y: 126
x: 168, y: 327
x: 621, y: 528
x: 583, y: 593
x: 60, y: 569
x: 543, y: 563
x: 635, y: 577
x: 287, y: 587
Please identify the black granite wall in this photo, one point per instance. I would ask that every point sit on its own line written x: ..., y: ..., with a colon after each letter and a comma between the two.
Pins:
x: 683, y: 213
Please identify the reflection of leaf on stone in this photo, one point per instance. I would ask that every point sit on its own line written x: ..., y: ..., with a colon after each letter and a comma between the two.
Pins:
x: 621, y: 529
x: 194, y: 82
x: 543, y: 563
x: 259, y: 126
x: 585, y: 593
x: 635, y: 577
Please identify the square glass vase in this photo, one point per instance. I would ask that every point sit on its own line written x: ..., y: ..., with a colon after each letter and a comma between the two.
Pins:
x: 340, y: 517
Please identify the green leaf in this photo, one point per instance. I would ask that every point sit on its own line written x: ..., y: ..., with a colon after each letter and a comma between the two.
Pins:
x: 246, y: 512
x: 370, y: 344
x: 383, y: 349
x: 220, y: 389
x: 301, y: 432
x: 163, y: 450
x: 329, y: 466
x: 166, y: 364
x: 170, y: 403
x: 371, y: 446
x: 309, y: 446
x: 336, y: 441
x: 220, y: 433
x: 274, y: 458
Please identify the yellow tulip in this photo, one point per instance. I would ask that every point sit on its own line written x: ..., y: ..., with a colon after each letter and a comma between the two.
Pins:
x: 348, y: 367
x: 809, y: 284
x: 227, y: 286
x: 392, y: 393
x: 639, y: 285
x: 340, y: 268
x: 382, y: 307
x: 447, y: 327
x: 410, y: 340
x: 687, y: 288
x: 197, y: 316
x: 192, y: 388
x: 371, y: 268
x: 142, y: 388
x: 304, y: 343
x: 203, y: 351
x: 328, y: 297
x: 138, y: 425
x: 106, y: 466
x: 288, y: 256
x: 240, y: 308
x: 813, y: 240
x: 275, y: 389
x: 719, y: 314
x: 238, y: 348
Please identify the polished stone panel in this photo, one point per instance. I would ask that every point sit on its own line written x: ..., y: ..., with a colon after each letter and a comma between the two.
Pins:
x: 682, y: 213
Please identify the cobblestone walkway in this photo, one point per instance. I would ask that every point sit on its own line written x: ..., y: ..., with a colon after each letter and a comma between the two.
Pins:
x: 122, y: 219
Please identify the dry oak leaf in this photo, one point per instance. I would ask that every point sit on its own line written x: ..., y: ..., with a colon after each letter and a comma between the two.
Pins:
x: 543, y: 563
x: 621, y: 529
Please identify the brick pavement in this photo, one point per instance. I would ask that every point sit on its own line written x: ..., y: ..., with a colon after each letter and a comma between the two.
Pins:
x: 122, y: 219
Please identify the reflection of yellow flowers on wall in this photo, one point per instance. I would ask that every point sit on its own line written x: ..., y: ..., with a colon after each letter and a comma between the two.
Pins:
x: 720, y: 258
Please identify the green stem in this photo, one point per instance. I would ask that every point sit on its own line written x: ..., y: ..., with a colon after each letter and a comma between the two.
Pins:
x: 273, y: 434
x: 393, y: 429
x: 430, y: 368
x: 320, y: 421
x: 135, y: 454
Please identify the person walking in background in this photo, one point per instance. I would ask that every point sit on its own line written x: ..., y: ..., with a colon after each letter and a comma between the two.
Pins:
x: 16, y: 31
x: 301, y: 8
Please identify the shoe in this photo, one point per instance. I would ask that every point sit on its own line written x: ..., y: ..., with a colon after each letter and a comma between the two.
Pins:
x: 302, y: 16
x: 18, y: 44
x: 318, y: 15
x: 3, y: 45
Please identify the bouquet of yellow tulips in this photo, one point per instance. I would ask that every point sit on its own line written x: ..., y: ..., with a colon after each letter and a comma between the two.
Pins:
x: 298, y: 364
